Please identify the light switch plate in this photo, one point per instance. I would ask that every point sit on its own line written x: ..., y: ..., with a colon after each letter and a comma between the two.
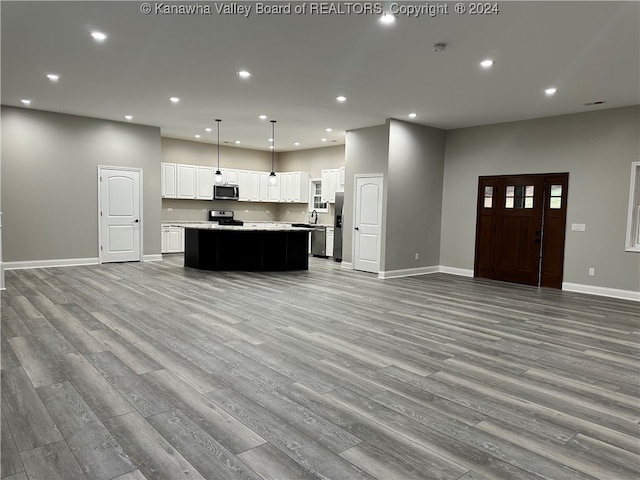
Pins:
x: 578, y: 227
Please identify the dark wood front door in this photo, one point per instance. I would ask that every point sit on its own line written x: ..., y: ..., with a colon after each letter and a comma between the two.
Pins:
x: 520, y: 228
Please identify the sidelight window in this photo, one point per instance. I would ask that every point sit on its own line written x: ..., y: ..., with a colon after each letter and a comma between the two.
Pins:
x: 519, y: 196
x: 633, y: 214
x: 555, y: 197
x: 488, y: 197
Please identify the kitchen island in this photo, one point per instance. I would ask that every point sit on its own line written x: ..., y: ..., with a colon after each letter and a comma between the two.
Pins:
x: 249, y: 248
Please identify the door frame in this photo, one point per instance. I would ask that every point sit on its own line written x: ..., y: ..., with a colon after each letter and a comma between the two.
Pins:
x: 101, y: 168
x: 356, y: 177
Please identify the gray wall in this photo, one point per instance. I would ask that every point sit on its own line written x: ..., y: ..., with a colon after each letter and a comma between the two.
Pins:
x: 50, y: 187
x: 366, y: 151
x: 596, y: 148
x: 414, y: 195
x: 313, y: 160
x: 175, y: 150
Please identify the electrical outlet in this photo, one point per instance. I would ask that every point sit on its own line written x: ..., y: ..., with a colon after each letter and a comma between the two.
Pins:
x: 417, y: 255
x: 169, y: 209
x: 592, y: 272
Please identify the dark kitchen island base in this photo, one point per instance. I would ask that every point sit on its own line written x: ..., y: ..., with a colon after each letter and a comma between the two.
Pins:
x: 246, y: 249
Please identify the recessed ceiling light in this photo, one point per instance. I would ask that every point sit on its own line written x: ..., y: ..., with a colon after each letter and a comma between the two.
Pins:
x: 237, y: 142
x: 128, y: 117
x: 208, y: 129
x: 488, y: 63
x: 174, y: 99
x: 387, y: 18
x: 53, y: 77
x: 413, y: 115
x: 550, y: 91
x: 98, y: 36
x: 271, y: 147
x: 26, y: 101
x: 197, y: 136
x: 341, y: 98
x: 262, y: 117
x: 328, y: 129
x: 244, y: 74
x: 323, y: 139
x: 296, y: 143
x: 270, y: 139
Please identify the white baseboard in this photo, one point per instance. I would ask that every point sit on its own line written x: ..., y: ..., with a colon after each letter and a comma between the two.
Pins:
x: 463, y: 272
x: 602, y: 291
x: 154, y: 257
x: 62, y: 262
x: 347, y: 265
x: 408, y: 272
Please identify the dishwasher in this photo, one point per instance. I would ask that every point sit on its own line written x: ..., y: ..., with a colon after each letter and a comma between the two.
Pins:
x: 319, y: 241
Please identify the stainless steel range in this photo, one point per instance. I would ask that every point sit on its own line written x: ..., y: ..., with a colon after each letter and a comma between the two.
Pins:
x: 224, y: 217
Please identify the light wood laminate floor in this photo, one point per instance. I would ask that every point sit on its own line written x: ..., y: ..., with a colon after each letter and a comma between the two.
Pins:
x: 149, y: 370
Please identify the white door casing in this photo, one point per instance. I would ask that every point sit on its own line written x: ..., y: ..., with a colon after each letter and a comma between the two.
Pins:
x: 367, y: 223
x: 119, y: 209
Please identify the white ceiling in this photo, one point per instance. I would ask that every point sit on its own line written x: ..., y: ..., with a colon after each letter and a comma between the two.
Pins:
x: 590, y: 51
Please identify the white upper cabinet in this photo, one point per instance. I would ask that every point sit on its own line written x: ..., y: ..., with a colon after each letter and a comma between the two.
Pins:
x: 204, y: 183
x: 196, y: 182
x: 268, y: 192
x: 340, y: 185
x: 294, y: 186
x: 169, y: 180
x: 230, y: 176
x: 186, y: 181
x: 249, y: 185
x: 330, y: 185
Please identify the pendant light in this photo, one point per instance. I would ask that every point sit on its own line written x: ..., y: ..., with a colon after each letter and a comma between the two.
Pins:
x: 272, y: 176
x: 218, y: 175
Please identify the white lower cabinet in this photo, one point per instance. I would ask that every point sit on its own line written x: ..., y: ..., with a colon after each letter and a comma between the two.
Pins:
x: 172, y: 239
x: 329, y: 245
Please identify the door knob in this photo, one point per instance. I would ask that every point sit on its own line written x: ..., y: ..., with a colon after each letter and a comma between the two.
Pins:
x: 136, y: 220
x: 357, y: 228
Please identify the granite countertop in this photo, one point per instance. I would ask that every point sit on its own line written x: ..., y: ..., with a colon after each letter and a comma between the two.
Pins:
x: 247, y: 227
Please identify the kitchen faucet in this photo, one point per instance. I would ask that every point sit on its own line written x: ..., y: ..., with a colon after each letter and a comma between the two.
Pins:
x: 314, y: 214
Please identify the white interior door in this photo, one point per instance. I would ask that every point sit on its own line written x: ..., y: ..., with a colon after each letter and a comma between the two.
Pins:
x: 367, y: 224
x: 120, y: 222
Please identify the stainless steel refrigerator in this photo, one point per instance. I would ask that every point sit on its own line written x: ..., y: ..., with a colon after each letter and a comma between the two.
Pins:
x: 337, y: 239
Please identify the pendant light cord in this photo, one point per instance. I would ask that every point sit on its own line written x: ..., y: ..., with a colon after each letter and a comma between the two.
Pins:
x: 218, y: 122
x: 273, y: 144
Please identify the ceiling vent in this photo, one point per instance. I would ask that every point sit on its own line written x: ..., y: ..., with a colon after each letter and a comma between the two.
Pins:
x: 598, y: 102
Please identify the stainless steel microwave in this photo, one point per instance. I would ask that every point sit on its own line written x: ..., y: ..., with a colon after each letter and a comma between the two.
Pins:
x: 226, y: 192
